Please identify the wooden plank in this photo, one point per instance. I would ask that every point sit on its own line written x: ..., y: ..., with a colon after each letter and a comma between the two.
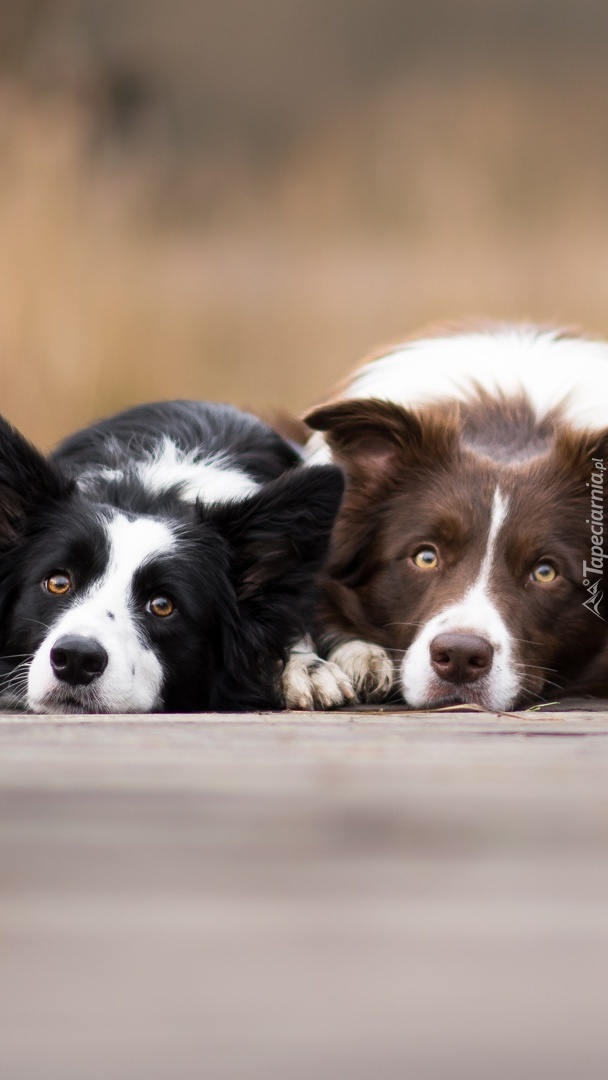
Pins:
x: 294, y: 895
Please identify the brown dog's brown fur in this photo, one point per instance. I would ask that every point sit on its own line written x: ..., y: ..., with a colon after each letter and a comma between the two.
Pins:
x: 427, y: 477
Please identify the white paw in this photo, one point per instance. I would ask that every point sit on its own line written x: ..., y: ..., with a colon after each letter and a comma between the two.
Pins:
x: 368, y: 667
x: 311, y: 683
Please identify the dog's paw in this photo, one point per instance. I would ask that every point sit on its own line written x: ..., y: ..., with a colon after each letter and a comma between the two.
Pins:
x: 368, y: 667
x: 311, y: 683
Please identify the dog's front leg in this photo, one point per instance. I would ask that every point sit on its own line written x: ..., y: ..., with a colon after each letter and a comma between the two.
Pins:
x: 368, y: 667
x: 308, y: 682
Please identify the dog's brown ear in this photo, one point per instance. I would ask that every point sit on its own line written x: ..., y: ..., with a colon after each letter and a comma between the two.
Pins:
x: 366, y: 434
x: 580, y: 453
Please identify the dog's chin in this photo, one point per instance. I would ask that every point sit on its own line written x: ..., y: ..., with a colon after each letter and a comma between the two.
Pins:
x: 67, y: 702
x: 449, y: 700
x: 464, y: 695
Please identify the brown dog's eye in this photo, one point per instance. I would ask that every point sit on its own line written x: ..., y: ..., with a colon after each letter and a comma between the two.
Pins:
x: 426, y: 558
x: 58, y: 584
x: 161, y: 606
x: 544, y: 573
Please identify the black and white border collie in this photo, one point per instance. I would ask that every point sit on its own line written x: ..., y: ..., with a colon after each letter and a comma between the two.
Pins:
x: 162, y: 560
x: 468, y: 561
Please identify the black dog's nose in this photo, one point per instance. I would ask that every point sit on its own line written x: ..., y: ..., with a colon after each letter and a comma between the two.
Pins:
x: 461, y: 658
x: 78, y: 660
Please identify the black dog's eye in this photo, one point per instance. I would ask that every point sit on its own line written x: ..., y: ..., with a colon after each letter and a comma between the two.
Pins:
x: 162, y: 606
x: 58, y: 584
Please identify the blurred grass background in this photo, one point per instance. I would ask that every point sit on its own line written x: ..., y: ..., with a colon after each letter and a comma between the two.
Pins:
x: 238, y: 201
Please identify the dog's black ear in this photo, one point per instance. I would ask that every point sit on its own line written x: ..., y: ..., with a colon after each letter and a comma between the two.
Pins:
x: 27, y: 481
x: 280, y: 535
x: 278, y: 540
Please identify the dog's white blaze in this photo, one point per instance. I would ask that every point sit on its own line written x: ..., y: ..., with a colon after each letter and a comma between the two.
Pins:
x: 477, y: 614
x: 212, y: 480
x: 132, y: 680
x: 499, y: 512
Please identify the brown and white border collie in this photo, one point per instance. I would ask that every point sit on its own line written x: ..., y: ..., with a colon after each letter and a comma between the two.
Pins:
x: 468, y: 557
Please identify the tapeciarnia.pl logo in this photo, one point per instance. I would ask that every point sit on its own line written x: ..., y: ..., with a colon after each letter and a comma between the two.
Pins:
x: 593, y: 570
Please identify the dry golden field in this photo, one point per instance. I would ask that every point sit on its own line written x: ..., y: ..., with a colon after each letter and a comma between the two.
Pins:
x: 131, y: 276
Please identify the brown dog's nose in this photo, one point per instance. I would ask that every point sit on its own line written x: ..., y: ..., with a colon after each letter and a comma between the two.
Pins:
x: 461, y: 658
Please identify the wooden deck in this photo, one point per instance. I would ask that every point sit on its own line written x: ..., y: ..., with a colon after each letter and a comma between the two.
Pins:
x: 301, y: 896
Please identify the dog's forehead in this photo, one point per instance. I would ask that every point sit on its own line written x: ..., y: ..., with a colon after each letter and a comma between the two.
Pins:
x: 441, y: 495
x: 74, y: 537
x: 135, y: 541
x: 545, y: 504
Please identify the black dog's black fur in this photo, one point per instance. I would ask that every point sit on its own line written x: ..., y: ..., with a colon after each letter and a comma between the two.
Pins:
x: 243, y: 575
